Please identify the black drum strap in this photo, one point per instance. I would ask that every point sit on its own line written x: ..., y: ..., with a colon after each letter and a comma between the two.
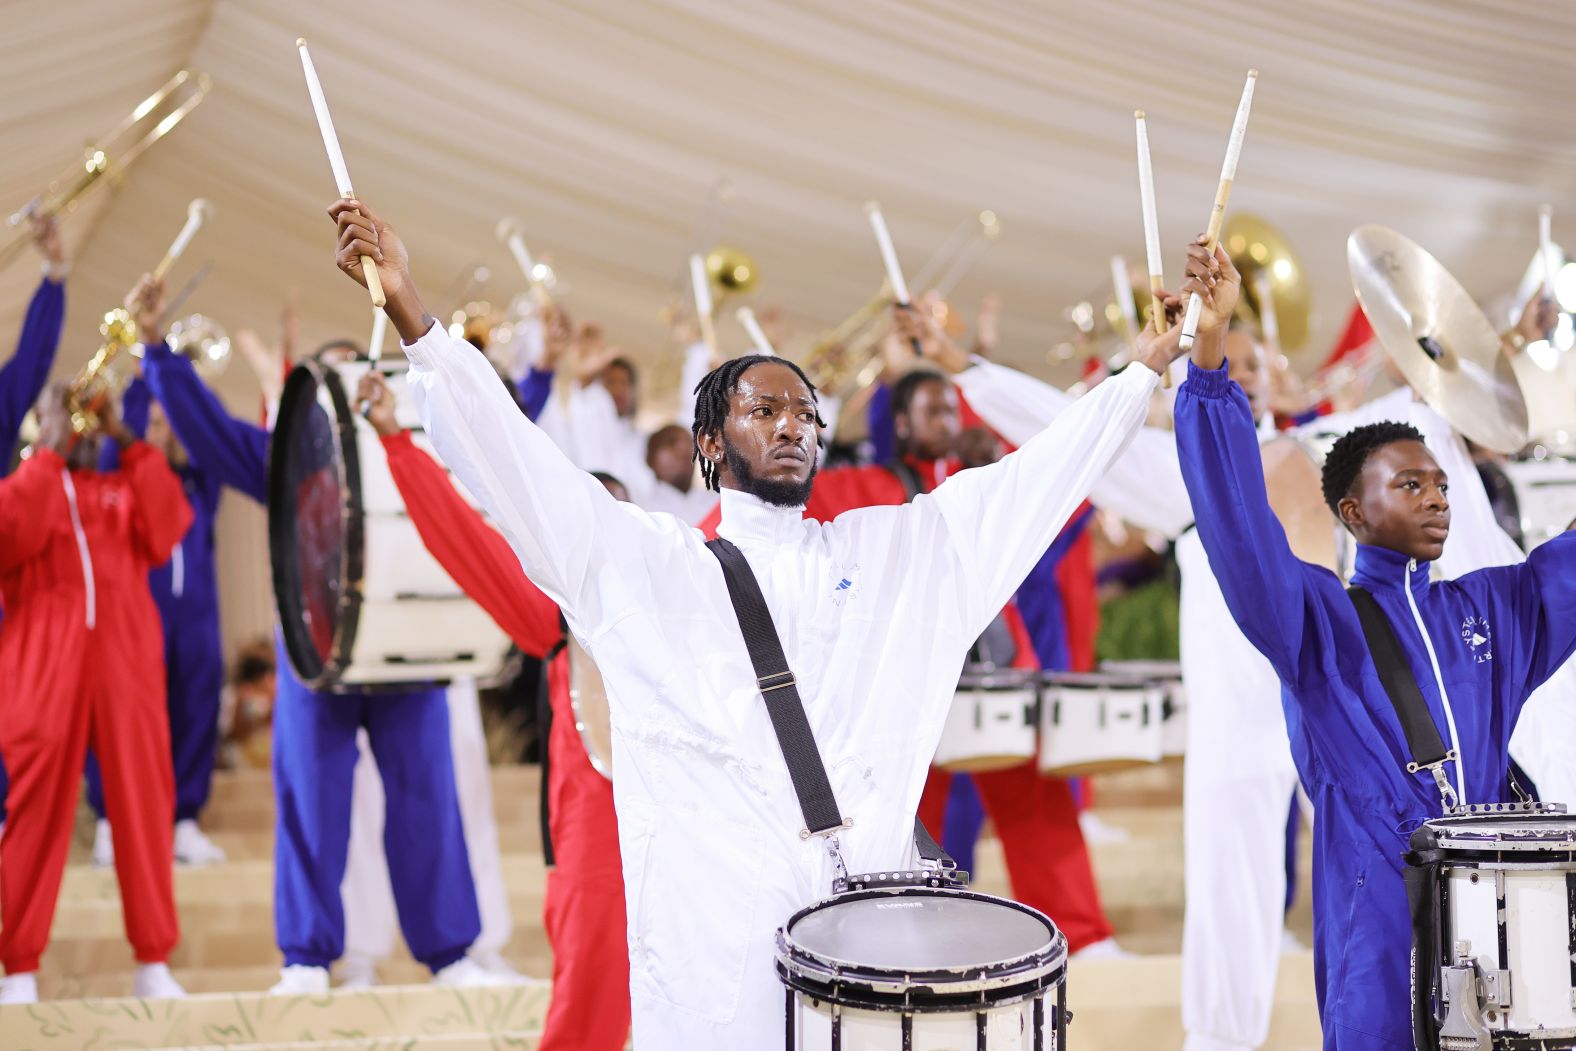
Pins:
x: 544, y: 729
x: 1422, y: 875
x: 780, y: 690
x: 1422, y: 736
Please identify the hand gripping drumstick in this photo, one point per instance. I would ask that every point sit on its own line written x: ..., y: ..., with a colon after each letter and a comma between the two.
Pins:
x: 889, y: 258
x: 197, y: 213
x: 336, y: 160
x: 700, y: 288
x: 1228, y: 173
x: 746, y: 318
x: 380, y: 322
x: 509, y: 232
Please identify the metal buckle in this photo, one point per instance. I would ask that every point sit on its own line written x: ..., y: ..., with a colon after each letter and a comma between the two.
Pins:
x: 787, y: 675
x: 1447, y: 791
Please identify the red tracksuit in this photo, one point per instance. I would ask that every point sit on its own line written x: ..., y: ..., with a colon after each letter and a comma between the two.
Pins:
x: 584, y: 909
x: 82, y: 661
x: 1036, y: 817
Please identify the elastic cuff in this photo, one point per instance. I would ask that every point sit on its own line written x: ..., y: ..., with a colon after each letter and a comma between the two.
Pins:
x: 439, y: 962
x: 301, y: 959
x: 155, y: 956
x: 1208, y: 383
x: 397, y: 440
x: 21, y: 965
x: 432, y: 342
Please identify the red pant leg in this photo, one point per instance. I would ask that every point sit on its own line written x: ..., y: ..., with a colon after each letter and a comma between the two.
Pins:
x: 1047, y: 859
x: 933, y: 802
x: 584, y: 910
x: 43, y: 734
x: 131, y: 737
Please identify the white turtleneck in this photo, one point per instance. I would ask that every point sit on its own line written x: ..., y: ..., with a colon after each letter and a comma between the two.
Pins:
x: 876, y: 612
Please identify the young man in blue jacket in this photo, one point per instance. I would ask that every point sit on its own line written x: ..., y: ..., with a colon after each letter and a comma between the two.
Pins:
x: 1477, y: 646
x: 315, y: 758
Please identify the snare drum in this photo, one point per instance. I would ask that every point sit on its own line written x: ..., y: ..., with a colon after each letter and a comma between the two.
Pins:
x: 1099, y: 722
x: 1167, y: 675
x: 1504, y: 909
x: 991, y: 725
x: 923, y: 968
x: 361, y: 603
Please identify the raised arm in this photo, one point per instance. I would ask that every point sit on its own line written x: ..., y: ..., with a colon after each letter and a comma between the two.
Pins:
x: 1143, y: 486
x: 230, y: 449
x: 574, y: 540
x: 160, y: 513
x: 22, y: 378
x: 1540, y: 599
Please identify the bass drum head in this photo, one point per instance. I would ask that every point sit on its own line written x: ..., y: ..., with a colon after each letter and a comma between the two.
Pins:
x: 315, y: 524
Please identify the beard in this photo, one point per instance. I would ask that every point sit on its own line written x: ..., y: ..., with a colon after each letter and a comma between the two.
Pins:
x: 778, y: 494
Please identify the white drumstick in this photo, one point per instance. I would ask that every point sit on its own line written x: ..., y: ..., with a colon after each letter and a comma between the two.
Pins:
x: 508, y: 231
x: 1228, y: 173
x: 197, y: 213
x: 700, y: 288
x: 1269, y: 323
x: 380, y: 323
x: 888, y: 253
x: 336, y: 159
x: 746, y: 318
x: 1551, y: 263
x: 1122, y: 288
x: 1146, y: 193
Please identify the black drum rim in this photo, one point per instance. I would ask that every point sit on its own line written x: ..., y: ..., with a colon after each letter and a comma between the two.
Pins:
x: 850, y: 984
x: 309, y: 376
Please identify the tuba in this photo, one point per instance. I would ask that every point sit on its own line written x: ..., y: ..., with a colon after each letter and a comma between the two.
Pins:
x: 201, y: 339
x: 1271, y: 276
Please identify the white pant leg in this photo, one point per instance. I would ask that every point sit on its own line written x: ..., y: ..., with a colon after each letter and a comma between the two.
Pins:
x: 473, y: 781
x: 1544, y: 740
x: 371, y: 921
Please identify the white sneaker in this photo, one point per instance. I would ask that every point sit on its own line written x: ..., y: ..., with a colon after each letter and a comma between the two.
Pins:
x: 19, y: 988
x: 1104, y: 949
x: 1290, y: 943
x: 357, y: 972
x: 103, y: 846
x: 492, y: 961
x: 194, y: 848
x: 154, y: 981
x: 301, y: 980
x: 1096, y: 830
x: 466, y: 973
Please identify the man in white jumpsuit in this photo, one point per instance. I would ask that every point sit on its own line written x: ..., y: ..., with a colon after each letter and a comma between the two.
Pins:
x: 876, y: 612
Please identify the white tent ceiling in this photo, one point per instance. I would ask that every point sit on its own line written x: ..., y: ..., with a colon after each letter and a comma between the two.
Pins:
x: 604, y: 125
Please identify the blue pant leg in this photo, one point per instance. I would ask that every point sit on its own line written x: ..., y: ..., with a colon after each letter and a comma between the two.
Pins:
x: 965, y: 818
x: 195, y: 661
x: 429, y: 865
x: 5, y: 785
x: 314, y: 763
x: 95, y: 792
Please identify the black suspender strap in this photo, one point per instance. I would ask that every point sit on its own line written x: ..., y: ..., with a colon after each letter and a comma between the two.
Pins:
x: 909, y: 477
x: 1422, y: 736
x: 781, y: 692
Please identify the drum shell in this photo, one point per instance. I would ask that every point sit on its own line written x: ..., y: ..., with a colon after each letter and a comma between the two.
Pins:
x: 1099, y: 723
x: 1545, y: 496
x: 398, y: 619
x: 991, y: 724
x: 1167, y: 676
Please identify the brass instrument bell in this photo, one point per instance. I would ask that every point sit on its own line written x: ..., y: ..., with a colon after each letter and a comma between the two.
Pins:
x: 731, y: 271
x: 1255, y: 248
x: 201, y: 339
x: 94, y: 385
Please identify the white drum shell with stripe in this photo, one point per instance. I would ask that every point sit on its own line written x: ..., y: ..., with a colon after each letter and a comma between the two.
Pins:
x: 1096, y: 723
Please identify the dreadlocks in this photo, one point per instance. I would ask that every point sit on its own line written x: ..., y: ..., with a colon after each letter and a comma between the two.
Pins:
x: 711, y: 404
x: 1349, y: 454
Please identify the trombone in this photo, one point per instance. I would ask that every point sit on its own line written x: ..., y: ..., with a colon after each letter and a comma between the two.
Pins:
x: 110, y: 155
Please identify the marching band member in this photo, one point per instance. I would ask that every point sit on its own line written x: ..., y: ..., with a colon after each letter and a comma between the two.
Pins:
x: 81, y: 662
x: 22, y: 377
x: 1035, y: 816
x: 584, y: 907
x: 1389, y: 492
x: 186, y: 590
x: 314, y: 757
x: 877, y: 611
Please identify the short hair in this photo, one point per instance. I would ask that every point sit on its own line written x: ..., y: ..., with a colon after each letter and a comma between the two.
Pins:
x: 351, y: 348
x: 711, y: 403
x: 904, y: 389
x: 254, y: 662
x: 627, y: 365
x: 670, y: 432
x: 607, y: 479
x: 1346, y: 458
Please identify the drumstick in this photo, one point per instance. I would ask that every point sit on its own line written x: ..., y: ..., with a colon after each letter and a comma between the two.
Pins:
x: 746, y: 318
x: 700, y: 288
x: 1146, y: 196
x: 380, y: 323
x: 889, y: 258
x: 197, y: 213
x: 1228, y: 173
x: 336, y: 160
x: 1546, y: 248
x: 1122, y: 288
x: 1269, y: 324
x: 508, y: 231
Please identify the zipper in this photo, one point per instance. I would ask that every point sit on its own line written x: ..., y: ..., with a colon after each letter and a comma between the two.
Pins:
x: 82, y: 549
x: 177, y: 570
x: 1439, y: 680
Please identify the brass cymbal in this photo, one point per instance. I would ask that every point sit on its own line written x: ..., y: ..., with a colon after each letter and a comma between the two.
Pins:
x: 1439, y: 339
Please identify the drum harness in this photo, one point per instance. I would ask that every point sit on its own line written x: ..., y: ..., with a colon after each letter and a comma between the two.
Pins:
x: 780, y: 690
x: 1462, y: 1027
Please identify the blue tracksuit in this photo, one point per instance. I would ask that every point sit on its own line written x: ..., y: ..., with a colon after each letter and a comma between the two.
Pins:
x: 186, y: 590
x: 315, y: 750
x: 1497, y: 634
x: 22, y: 381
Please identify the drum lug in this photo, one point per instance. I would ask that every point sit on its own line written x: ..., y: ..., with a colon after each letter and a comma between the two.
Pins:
x: 1464, y: 1029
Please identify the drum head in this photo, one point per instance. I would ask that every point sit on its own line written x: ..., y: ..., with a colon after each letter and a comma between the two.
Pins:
x: 315, y: 524
x: 1528, y: 836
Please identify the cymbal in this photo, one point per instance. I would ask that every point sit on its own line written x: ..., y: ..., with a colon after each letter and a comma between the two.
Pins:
x: 1439, y: 339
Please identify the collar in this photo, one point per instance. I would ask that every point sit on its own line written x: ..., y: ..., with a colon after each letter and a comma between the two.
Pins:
x: 1380, y: 569
x: 748, y: 518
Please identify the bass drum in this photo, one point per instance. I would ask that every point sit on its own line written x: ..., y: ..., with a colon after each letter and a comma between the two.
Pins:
x: 588, y: 700
x: 360, y: 602
x: 1293, y: 468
